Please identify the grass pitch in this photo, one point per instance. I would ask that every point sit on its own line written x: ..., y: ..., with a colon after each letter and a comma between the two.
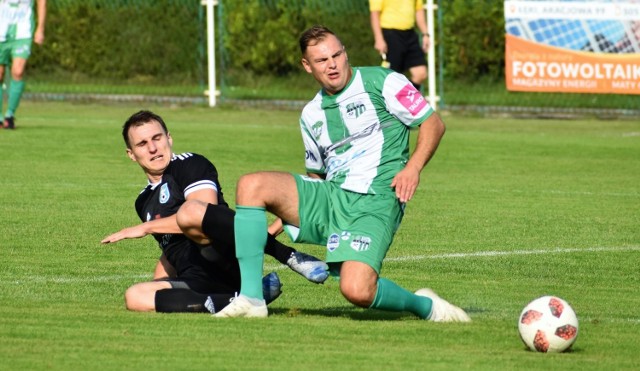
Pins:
x: 508, y: 210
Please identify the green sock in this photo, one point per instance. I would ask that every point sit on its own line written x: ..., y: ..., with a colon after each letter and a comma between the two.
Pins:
x: 15, y: 93
x: 392, y: 297
x: 251, y: 235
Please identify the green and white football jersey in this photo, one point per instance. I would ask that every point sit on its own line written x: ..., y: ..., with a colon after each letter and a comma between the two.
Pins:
x: 18, y: 14
x: 359, y: 138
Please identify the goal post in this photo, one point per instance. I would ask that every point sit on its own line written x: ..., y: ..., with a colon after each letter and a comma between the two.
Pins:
x: 430, y: 8
x: 212, y: 91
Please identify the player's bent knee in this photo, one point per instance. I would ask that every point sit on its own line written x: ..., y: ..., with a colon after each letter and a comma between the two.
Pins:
x: 357, y: 294
x: 359, y: 299
x: 249, y: 182
x: 134, y: 299
x: 190, y: 215
x: 358, y: 283
x: 418, y: 79
x: 249, y: 186
x: 130, y: 299
x: 418, y: 75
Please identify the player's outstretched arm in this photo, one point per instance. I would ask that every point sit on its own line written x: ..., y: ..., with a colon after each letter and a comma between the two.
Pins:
x: 163, y: 225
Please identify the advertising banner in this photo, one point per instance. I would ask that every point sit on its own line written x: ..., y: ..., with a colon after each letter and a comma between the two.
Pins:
x: 573, y: 46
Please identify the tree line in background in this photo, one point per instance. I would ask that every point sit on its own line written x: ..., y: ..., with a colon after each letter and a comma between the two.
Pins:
x: 120, y: 40
x: 164, y: 40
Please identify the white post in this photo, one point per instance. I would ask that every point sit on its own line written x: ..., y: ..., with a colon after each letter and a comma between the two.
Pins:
x: 211, y: 51
x: 431, y: 55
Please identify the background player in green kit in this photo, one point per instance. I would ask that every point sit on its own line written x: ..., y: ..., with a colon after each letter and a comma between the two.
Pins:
x: 17, y: 31
x: 360, y: 175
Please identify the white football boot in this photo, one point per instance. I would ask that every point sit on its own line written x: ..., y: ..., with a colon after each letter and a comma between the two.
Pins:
x: 241, y: 306
x: 442, y: 310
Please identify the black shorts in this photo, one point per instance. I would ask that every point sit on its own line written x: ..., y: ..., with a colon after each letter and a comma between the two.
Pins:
x: 200, y: 273
x: 403, y: 49
x: 211, y: 269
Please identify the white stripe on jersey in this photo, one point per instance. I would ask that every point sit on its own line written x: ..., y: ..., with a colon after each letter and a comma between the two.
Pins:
x: 182, y: 156
x: 197, y: 186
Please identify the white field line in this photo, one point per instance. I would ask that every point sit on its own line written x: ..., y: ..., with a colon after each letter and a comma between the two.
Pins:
x: 89, y: 279
x: 480, y: 254
x: 271, y: 267
x: 574, y: 193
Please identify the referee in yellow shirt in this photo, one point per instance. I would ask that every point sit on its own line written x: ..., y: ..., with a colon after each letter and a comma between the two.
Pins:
x: 392, y: 22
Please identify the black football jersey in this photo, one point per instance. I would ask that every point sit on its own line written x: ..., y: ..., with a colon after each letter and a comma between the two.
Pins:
x: 186, y: 173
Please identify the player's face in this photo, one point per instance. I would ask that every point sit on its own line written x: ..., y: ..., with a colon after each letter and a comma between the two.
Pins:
x: 150, y: 148
x: 328, y: 63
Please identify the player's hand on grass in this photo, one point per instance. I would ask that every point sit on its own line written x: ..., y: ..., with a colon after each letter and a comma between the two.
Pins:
x: 405, y: 183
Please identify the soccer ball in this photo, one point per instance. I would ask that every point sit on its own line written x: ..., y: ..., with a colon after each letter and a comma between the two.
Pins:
x: 548, y: 324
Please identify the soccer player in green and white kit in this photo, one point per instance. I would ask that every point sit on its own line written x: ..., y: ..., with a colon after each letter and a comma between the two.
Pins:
x: 360, y: 175
x: 17, y: 31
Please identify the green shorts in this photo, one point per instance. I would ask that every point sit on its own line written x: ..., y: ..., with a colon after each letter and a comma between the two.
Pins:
x: 353, y: 226
x: 11, y: 49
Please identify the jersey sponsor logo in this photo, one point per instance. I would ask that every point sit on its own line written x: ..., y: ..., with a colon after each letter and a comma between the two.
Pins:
x: 374, y: 128
x: 317, y: 129
x: 411, y: 99
x: 355, y: 109
x: 308, y: 155
x: 338, y: 162
x: 360, y: 243
x: 164, y: 194
x: 166, y: 238
x: 333, y: 242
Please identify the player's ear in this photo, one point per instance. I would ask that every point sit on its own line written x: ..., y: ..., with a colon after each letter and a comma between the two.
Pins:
x: 306, y: 65
x: 130, y: 154
x: 170, y: 139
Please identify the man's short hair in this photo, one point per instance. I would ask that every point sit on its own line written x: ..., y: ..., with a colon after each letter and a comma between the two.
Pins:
x: 138, y: 119
x: 314, y: 35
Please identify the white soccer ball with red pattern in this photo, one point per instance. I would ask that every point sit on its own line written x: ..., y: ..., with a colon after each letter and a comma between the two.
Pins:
x: 548, y: 324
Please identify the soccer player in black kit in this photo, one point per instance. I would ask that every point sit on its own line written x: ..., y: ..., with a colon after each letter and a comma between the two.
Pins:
x: 198, y: 270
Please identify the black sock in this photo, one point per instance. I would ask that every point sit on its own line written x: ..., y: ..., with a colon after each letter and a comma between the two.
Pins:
x: 185, y: 300
x: 217, y: 224
x: 278, y: 250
